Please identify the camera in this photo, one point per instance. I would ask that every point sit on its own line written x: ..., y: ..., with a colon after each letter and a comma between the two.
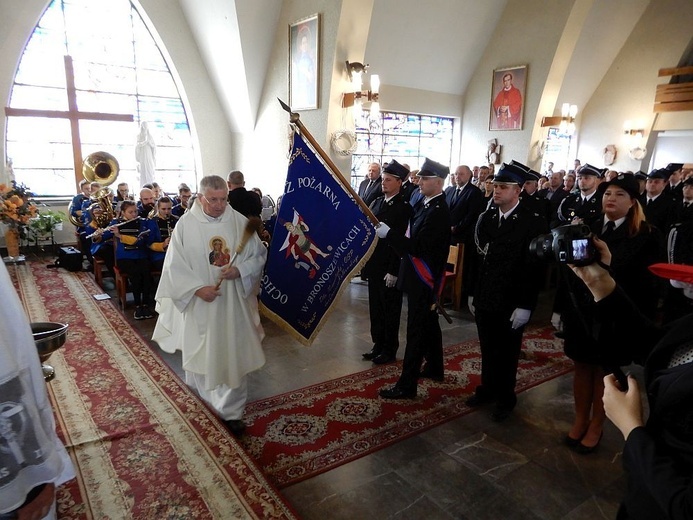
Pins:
x: 569, y: 244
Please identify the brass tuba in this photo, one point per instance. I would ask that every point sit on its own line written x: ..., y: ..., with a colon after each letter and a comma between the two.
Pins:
x: 103, y: 168
x: 100, y: 167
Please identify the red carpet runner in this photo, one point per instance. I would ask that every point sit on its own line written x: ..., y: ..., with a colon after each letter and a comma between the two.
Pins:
x: 143, y: 445
x: 297, y: 435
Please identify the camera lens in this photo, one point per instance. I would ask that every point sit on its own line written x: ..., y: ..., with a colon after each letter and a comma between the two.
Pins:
x: 541, y: 247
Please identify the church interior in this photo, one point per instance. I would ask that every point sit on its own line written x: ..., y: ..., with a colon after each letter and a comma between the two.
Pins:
x: 231, y: 63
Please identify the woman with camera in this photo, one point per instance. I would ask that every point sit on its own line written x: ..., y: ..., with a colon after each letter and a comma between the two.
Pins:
x: 658, y: 453
x: 634, y: 245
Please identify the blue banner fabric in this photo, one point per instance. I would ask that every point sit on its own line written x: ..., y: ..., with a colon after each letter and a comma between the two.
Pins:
x: 320, y: 241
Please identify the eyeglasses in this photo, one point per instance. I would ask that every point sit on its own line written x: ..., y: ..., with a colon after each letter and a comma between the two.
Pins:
x: 214, y: 200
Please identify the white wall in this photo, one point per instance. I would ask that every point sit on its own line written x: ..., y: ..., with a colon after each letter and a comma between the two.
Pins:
x: 537, y: 27
x: 627, y: 91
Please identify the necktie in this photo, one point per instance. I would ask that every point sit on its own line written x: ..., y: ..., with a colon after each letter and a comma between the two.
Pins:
x: 608, y: 229
x: 501, y: 221
x: 457, y: 195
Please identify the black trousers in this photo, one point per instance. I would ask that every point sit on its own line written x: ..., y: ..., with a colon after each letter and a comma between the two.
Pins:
x: 140, y: 276
x: 424, y: 341
x: 500, y: 352
x: 385, y: 309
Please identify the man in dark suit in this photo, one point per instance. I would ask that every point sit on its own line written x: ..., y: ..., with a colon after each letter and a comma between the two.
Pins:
x: 586, y: 205
x: 530, y: 196
x: 382, y: 268
x: 466, y: 203
x: 686, y: 207
x: 506, y: 288
x: 247, y: 203
x: 675, y: 185
x: 416, y: 195
x: 424, y: 253
x: 408, y: 187
x: 370, y: 188
x: 554, y: 193
x: 660, y: 207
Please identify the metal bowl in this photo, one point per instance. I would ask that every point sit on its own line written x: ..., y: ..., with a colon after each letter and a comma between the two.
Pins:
x: 48, y: 337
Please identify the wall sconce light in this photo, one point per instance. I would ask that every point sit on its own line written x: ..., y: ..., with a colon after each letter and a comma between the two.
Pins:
x: 565, y: 122
x: 356, y: 97
x: 568, y: 113
x: 635, y: 131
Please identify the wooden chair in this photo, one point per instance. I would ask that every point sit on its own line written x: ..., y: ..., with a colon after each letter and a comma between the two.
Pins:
x: 99, y: 268
x: 453, y: 275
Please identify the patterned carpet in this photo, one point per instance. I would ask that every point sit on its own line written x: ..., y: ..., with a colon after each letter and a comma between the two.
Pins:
x: 143, y: 445
x: 297, y: 435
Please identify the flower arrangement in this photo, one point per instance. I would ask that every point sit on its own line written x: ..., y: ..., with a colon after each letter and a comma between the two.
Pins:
x: 16, y: 206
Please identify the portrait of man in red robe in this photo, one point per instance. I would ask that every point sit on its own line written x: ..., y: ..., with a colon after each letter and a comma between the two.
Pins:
x: 507, y: 104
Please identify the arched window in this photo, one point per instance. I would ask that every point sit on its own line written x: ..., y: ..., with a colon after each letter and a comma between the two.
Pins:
x: 90, y: 74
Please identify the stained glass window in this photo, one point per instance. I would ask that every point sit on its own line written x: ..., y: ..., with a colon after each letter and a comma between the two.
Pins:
x: 407, y: 138
x: 557, y: 151
x: 118, y: 69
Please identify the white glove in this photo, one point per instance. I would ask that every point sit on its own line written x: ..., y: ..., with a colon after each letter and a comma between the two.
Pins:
x: 556, y: 321
x: 520, y: 317
x: 470, y: 304
x: 382, y: 229
x: 390, y: 280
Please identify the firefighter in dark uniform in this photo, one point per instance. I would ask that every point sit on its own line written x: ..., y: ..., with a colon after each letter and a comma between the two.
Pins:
x: 382, y: 269
x: 659, y: 206
x: 161, y: 226
x: 586, y: 205
x: 529, y: 196
x: 424, y: 254
x: 506, y: 288
x: 675, y: 185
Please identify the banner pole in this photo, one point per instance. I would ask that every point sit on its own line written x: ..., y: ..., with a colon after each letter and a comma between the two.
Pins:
x: 295, y: 118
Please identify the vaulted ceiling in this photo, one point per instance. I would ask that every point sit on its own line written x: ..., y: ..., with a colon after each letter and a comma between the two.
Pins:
x: 433, y: 45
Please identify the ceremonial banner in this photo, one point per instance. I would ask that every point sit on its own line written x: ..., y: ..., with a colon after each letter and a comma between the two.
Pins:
x: 321, y: 239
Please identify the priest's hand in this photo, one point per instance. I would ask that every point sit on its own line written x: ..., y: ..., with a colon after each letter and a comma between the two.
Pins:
x: 208, y: 293
x: 230, y: 272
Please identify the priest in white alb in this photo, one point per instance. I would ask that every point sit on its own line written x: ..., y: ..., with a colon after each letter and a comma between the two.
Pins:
x: 217, y: 329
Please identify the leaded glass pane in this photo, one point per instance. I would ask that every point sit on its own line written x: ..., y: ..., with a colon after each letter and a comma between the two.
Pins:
x: 54, y: 181
x: 38, y: 98
x: 408, y: 138
x: 108, y: 133
x: 57, y: 155
x: 38, y: 130
x: 156, y: 83
x: 110, y: 103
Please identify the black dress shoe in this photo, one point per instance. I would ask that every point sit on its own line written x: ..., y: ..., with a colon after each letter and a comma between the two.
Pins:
x: 581, y: 449
x: 382, y: 359
x: 397, y: 393
x: 434, y: 377
x: 237, y: 426
x: 370, y: 356
x: 570, y: 442
x: 477, y: 400
x: 501, y: 414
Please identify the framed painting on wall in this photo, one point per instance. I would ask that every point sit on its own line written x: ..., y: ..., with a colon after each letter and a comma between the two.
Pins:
x: 304, y: 63
x: 508, y: 98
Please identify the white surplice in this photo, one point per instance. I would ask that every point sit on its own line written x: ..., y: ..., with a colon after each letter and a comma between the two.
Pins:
x: 221, y: 339
x: 30, y: 451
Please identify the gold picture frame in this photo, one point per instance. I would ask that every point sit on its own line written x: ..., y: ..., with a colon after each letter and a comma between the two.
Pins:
x: 508, y: 98
x: 304, y: 63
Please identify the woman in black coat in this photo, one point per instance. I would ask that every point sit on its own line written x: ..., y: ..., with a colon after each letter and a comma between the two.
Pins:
x: 658, y: 454
x: 634, y: 246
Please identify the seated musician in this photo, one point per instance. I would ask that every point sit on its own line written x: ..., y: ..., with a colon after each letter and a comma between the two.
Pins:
x: 133, y: 237
x: 161, y: 225
x: 184, y: 194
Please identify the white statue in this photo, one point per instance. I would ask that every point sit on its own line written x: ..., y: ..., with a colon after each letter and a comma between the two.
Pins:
x: 145, y: 155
